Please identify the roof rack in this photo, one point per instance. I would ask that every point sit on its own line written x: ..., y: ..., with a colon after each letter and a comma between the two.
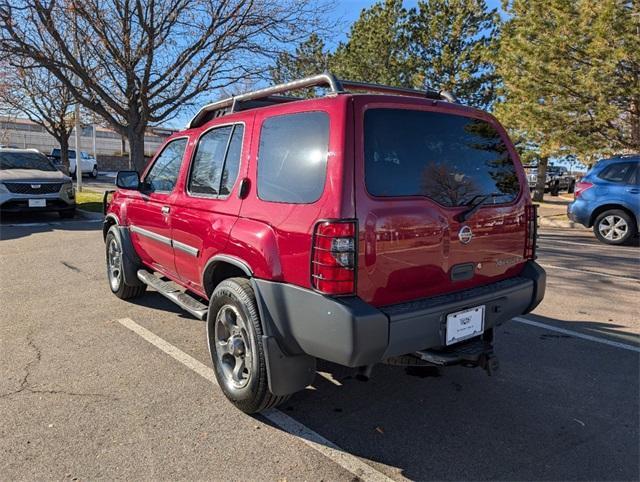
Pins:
x: 269, y: 95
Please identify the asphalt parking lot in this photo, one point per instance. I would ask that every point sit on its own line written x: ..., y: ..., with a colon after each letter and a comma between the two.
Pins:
x: 93, y: 387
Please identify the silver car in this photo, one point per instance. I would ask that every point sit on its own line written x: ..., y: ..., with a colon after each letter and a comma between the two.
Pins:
x: 30, y: 182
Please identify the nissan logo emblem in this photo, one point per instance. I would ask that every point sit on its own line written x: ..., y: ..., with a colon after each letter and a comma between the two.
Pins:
x: 465, y: 234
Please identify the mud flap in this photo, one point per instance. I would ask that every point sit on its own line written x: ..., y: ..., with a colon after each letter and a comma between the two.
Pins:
x: 287, y: 374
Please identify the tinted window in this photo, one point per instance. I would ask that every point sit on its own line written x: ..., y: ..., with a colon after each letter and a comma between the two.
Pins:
x: 292, y: 157
x: 448, y: 158
x: 165, y: 169
x: 25, y: 160
x: 635, y: 178
x: 208, y: 162
x: 232, y: 161
x: 616, y: 172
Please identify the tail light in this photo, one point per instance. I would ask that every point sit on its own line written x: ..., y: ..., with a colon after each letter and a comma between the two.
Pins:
x: 333, y: 257
x: 532, y: 231
x: 581, y: 187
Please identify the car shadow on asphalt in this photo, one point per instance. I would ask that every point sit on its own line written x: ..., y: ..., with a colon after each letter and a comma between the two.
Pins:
x: 15, y: 226
x: 552, y: 406
x: 608, y: 330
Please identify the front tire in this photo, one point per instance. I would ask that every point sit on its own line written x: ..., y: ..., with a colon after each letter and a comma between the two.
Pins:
x: 234, y: 335
x: 115, y: 268
x: 614, y: 227
x: 94, y: 172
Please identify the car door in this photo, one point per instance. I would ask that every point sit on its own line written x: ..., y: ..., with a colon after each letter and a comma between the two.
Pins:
x: 87, y: 162
x: 149, y: 212
x: 207, y: 205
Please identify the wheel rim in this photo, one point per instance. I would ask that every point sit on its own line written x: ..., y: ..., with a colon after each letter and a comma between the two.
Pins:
x: 613, y: 228
x: 114, y: 264
x: 232, y: 347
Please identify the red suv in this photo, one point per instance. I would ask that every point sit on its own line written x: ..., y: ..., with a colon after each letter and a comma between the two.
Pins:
x: 371, y: 224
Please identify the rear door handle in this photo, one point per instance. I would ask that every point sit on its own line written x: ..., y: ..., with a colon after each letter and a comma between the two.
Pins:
x: 165, y: 209
x: 633, y: 190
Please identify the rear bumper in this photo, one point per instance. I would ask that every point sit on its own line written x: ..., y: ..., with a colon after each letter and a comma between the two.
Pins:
x: 579, y: 212
x: 350, y: 332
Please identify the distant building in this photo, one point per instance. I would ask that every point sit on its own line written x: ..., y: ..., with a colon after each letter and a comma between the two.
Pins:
x: 24, y: 133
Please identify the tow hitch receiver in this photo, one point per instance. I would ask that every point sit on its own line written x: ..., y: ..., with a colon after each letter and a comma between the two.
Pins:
x: 474, y: 353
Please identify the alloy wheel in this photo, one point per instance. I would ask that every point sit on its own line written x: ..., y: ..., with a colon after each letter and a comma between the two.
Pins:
x: 613, y: 228
x: 232, y: 346
x: 114, y: 264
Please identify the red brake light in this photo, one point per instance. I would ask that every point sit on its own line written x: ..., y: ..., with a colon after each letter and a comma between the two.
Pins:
x: 333, y: 257
x: 581, y: 187
x: 532, y: 231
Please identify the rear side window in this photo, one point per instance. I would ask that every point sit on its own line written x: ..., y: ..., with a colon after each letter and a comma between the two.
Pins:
x: 164, y: 172
x: 448, y: 158
x: 292, y: 157
x: 215, y: 165
x: 616, y: 172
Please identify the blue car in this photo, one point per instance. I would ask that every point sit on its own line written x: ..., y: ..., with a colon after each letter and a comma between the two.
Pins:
x: 608, y: 199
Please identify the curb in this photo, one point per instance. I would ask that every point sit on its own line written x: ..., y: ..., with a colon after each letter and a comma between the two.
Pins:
x: 557, y: 223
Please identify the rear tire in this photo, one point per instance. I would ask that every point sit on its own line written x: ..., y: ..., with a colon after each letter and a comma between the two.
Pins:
x: 614, y: 227
x: 572, y: 187
x: 115, y: 268
x: 234, y: 336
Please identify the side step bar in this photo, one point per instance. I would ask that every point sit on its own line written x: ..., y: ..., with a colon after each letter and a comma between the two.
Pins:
x: 170, y: 291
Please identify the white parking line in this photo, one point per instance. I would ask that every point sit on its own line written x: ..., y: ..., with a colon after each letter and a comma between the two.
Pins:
x: 314, y: 440
x: 587, y: 271
x: 577, y: 334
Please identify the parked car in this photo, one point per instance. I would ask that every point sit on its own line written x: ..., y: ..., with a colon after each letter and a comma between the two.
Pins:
x: 30, y: 182
x: 557, y: 179
x: 391, y: 226
x: 88, y: 163
x: 608, y: 199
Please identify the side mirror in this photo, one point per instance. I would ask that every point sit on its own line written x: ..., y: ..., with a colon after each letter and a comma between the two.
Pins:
x: 128, y: 180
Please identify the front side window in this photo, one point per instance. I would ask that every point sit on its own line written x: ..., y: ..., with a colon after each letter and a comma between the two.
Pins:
x: 292, y: 157
x: 449, y: 158
x: 164, y: 172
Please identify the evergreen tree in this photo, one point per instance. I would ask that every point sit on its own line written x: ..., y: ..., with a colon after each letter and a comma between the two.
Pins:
x: 451, y: 42
x: 377, y: 48
x: 571, y: 75
x: 310, y: 58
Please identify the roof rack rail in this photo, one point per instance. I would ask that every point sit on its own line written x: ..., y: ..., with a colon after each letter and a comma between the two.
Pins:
x: 268, y: 95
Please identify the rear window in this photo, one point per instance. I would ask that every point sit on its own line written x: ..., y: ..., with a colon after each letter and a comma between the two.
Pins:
x: 292, y: 157
x: 25, y: 160
x: 448, y: 158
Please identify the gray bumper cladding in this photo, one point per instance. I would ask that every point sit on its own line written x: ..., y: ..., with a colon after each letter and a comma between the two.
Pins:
x: 352, y: 333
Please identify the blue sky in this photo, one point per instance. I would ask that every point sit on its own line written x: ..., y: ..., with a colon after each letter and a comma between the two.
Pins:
x: 345, y: 13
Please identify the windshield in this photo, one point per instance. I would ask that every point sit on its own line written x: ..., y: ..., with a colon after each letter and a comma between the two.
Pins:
x: 25, y: 160
x: 56, y: 153
x: 449, y: 158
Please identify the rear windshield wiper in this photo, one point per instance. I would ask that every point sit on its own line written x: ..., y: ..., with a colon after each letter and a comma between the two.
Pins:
x: 476, y: 203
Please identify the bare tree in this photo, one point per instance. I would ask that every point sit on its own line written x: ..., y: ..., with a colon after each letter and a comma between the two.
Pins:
x: 137, y: 62
x: 35, y: 93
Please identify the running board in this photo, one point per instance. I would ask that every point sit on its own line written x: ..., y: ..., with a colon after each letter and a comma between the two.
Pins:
x: 170, y: 291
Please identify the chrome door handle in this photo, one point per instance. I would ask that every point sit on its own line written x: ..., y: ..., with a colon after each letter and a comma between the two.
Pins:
x: 165, y: 209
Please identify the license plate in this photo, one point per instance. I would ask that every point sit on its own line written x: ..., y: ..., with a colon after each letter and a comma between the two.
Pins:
x: 465, y: 324
x: 37, y: 203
